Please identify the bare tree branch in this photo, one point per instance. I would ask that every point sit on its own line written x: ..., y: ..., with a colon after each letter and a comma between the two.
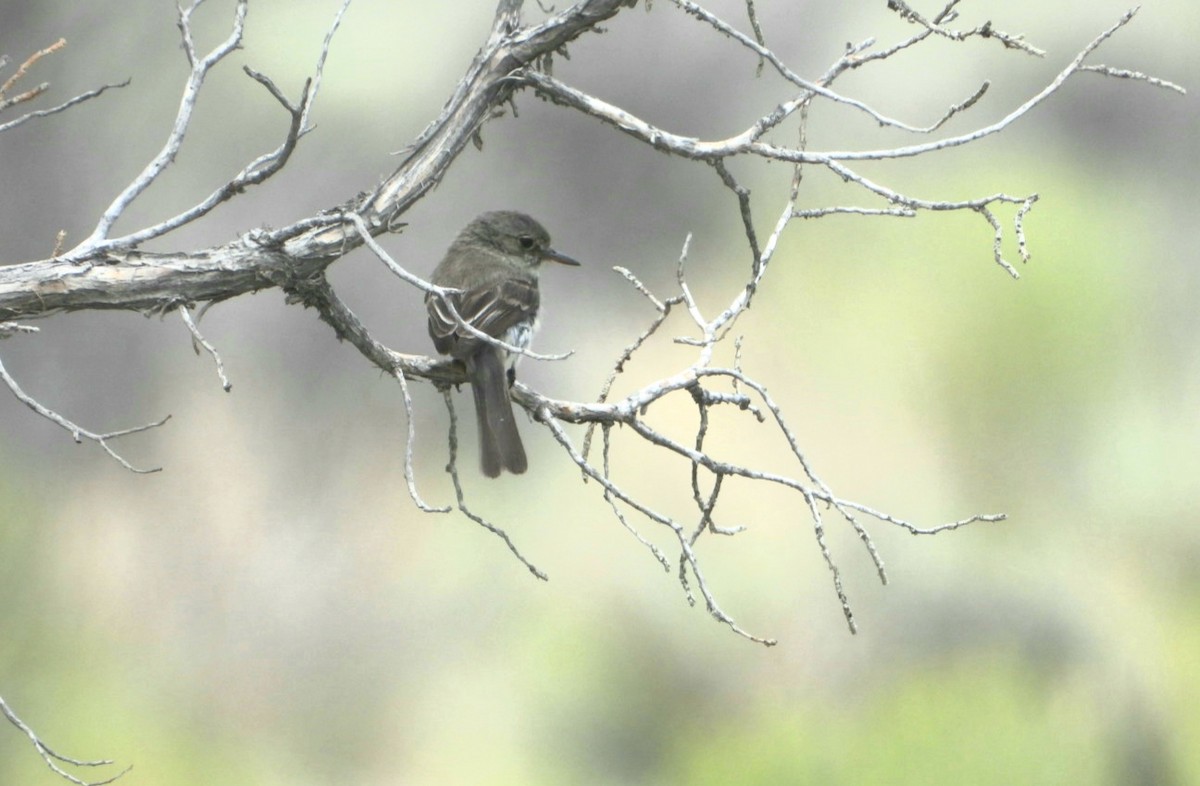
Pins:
x: 126, y: 278
x: 29, y: 95
x: 108, y: 272
x: 9, y: 329
x: 53, y: 759
x: 111, y: 272
x: 78, y: 433
x: 949, y: 14
x: 199, y: 341
x: 23, y: 69
x: 157, y: 165
x: 1122, y: 73
x: 452, y: 468
x: 409, y: 442
x: 254, y: 173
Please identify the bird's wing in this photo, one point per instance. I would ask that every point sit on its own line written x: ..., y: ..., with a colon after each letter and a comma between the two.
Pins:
x: 491, y: 309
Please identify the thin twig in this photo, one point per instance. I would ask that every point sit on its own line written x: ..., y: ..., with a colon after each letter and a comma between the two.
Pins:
x: 748, y: 142
x: 998, y: 240
x: 811, y: 87
x: 199, y: 341
x: 79, y: 99
x: 1019, y: 227
x: 948, y: 14
x: 78, y: 433
x: 743, y: 197
x: 319, y: 71
x: 616, y: 509
x: 254, y: 173
x: 53, y: 759
x: 664, y: 310
x: 409, y: 442
x: 758, y: 34
x: 170, y: 149
x: 901, y: 212
x: 9, y: 329
x: 1121, y: 73
x: 24, y: 69
x: 452, y: 468
x: 688, y: 553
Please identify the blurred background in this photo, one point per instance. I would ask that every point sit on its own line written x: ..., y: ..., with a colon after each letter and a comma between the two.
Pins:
x: 271, y: 608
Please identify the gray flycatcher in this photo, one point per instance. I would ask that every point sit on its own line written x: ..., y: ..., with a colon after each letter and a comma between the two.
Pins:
x: 494, y: 264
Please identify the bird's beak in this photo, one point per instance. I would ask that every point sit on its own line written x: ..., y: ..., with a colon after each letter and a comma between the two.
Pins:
x: 553, y: 256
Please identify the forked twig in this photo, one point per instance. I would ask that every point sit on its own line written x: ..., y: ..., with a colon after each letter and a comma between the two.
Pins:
x: 78, y: 433
x: 28, y: 95
x: 452, y: 468
x: 54, y: 759
x: 254, y: 173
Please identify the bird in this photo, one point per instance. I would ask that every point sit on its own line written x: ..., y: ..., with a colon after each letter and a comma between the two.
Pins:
x: 492, y: 266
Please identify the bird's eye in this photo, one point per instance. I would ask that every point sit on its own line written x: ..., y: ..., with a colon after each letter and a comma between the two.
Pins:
x: 526, y: 242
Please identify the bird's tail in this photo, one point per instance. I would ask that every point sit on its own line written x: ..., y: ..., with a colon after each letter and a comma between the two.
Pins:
x: 499, y: 441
